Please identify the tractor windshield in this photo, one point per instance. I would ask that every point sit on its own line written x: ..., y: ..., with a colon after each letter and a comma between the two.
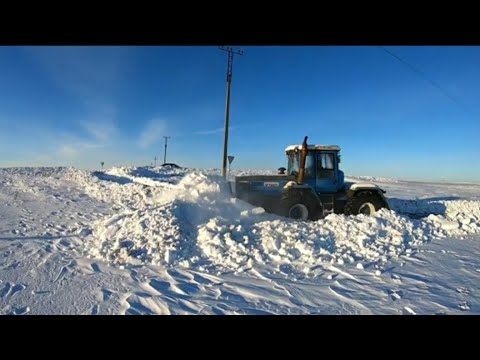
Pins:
x: 294, y: 164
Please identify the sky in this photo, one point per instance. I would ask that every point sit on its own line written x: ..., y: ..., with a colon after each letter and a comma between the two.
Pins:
x: 78, y: 106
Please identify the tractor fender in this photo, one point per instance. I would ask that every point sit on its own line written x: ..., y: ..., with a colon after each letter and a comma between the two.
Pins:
x: 289, y: 185
x: 358, y: 188
x: 304, y: 190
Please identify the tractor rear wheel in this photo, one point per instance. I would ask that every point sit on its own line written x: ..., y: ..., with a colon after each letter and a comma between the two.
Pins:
x: 364, y: 203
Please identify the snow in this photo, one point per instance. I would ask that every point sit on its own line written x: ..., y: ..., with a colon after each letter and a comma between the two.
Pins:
x: 360, y: 185
x: 371, y: 179
x: 151, y: 240
x: 313, y: 147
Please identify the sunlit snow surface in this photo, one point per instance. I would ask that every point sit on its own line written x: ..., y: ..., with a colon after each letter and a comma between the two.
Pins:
x: 165, y: 241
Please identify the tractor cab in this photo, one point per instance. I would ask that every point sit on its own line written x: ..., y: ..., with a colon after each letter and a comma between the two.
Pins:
x: 322, y: 171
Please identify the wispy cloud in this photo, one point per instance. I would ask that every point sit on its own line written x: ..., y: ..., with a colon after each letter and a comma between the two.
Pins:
x: 209, y: 132
x: 99, y: 134
x: 231, y: 128
x: 68, y: 151
x: 214, y: 131
x: 153, y: 132
x: 68, y: 147
x: 92, y: 75
x: 102, y: 131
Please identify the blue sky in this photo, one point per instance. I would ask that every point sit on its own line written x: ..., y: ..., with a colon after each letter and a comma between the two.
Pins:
x: 77, y: 106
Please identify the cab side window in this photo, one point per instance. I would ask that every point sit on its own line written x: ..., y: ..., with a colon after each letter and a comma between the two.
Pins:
x: 326, y: 166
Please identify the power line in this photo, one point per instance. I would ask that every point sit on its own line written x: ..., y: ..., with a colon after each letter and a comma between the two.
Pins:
x: 426, y: 78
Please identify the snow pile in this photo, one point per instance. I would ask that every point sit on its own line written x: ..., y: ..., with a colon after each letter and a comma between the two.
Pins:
x: 29, y: 172
x: 461, y: 218
x: 418, y: 207
x: 372, y: 179
x: 198, y: 186
x: 136, y: 187
x: 238, y: 172
x: 451, y: 217
x: 164, y: 230
x: 152, y: 235
x: 337, y: 239
x: 120, y: 191
x: 197, y: 223
x: 148, y: 175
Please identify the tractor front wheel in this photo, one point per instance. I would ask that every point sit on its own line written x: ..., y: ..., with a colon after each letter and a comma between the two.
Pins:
x: 297, y: 207
x: 364, y: 203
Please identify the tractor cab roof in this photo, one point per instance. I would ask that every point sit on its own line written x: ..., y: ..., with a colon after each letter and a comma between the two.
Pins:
x: 313, y: 147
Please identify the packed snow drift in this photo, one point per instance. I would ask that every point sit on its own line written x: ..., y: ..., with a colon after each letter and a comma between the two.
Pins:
x: 188, y: 219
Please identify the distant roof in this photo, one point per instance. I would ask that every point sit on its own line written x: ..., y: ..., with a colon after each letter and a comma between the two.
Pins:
x: 314, y: 147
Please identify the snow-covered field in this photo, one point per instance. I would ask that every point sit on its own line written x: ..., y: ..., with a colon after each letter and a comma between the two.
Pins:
x: 156, y: 241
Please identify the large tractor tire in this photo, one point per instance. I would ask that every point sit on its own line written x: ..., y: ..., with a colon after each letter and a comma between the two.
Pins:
x: 297, y: 206
x: 364, y: 203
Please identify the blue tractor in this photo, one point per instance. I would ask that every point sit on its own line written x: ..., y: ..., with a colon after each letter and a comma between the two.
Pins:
x: 312, y: 187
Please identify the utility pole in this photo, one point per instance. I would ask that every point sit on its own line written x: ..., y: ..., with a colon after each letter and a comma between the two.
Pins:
x: 230, y: 52
x: 155, y: 158
x: 165, y: 154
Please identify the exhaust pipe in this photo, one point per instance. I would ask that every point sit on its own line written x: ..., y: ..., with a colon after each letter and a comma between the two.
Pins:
x: 303, y: 157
